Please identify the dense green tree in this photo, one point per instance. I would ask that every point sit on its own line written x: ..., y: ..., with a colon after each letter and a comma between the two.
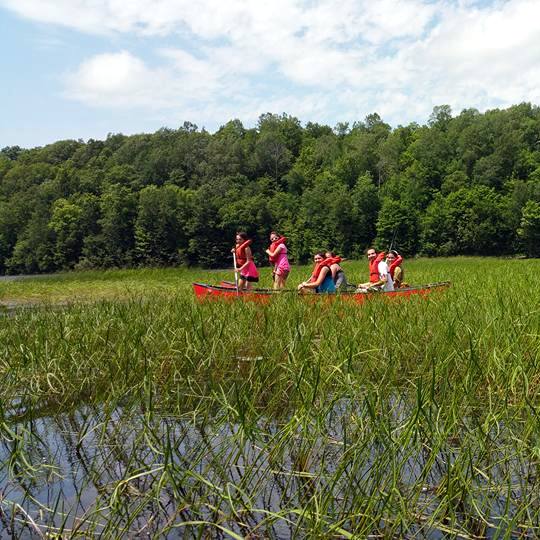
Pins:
x: 114, y: 244
x: 72, y: 220
x: 159, y: 227
x: 397, y: 227
x: 58, y: 152
x: 66, y: 223
x: 225, y: 152
x: 11, y: 152
x: 465, y: 184
x: 365, y: 208
x: 34, y: 249
x: 529, y: 231
x: 21, y: 177
x: 468, y: 221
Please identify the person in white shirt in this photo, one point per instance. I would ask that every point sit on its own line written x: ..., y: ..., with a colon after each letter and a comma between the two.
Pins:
x: 384, y: 282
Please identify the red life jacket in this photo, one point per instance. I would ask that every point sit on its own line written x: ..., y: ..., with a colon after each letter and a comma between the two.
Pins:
x: 320, y: 265
x: 273, y: 247
x: 397, y: 261
x: 241, y: 253
x: 333, y: 260
x: 374, y: 267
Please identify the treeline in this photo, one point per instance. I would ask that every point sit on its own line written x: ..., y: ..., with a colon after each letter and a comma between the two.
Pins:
x: 468, y: 184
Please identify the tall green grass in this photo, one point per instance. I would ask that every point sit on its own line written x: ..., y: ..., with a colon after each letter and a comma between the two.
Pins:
x: 138, y: 410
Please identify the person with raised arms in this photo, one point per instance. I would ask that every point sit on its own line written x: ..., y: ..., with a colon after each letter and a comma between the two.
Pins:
x: 321, y: 279
x: 277, y: 253
x: 244, y: 265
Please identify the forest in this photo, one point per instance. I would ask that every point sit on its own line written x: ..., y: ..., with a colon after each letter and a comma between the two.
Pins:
x: 459, y: 185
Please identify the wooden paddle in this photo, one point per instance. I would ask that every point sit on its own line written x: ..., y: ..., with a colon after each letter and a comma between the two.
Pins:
x: 235, y: 272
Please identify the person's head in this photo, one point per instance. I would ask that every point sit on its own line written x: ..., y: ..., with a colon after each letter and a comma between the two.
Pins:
x: 392, y: 255
x: 329, y: 254
x: 319, y: 257
x: 274, y: 236
x: 371, y: 253
x: 241, y: 237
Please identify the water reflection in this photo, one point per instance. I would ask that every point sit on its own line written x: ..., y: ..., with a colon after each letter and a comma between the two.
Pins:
x: 127, y: 473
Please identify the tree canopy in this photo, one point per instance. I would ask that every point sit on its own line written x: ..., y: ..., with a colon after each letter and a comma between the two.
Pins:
x: 465, y: 184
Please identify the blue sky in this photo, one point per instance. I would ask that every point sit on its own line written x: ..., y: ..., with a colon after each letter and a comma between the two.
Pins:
x: 86, y: 68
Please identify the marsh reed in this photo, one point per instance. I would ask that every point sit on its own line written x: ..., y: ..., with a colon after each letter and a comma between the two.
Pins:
x: 149, y: 414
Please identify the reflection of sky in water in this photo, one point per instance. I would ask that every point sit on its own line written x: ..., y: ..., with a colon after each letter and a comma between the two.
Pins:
x: 76, y: 465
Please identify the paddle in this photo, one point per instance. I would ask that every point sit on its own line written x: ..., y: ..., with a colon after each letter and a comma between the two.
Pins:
x: 235, y: 272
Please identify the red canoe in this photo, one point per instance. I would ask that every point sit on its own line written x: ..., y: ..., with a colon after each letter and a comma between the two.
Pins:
x: 228, y: 290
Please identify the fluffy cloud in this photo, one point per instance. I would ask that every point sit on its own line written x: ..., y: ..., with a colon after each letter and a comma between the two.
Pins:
x: 321, y: 60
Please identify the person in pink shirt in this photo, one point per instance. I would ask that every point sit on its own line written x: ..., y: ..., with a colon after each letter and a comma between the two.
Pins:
x: 244, y: 261
x: 277, y: 252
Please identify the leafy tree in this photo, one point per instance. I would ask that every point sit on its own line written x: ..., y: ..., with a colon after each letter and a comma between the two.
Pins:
x: 397, y: 227
x: 529, y: 231
x: 325, y: 218
x: 116, y: 240
x: 468, y: 221
x: 33, y: 251
x: 391, y: 151
x: 72, y: 220
x: 273, y: 156
x: 458, y: 185
x: 278, y: 143
x: 23, y: 176
x: 159, y: 232
x: 11, y: 152
x: 225, y: 153
x: 58, y: 152
x: 365, y: 208
x: 66, y: 223
x: 440, y: 117
x: 87, y: 153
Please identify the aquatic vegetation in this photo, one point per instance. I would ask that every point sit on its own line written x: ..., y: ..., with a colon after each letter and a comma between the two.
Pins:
x: 146, y: 413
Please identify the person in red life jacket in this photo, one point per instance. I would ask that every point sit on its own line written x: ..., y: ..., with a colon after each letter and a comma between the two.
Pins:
x: 379, y: 276
x: 394, y: 260
x: 244, y: 261
x: 321, y: 279
x: 338, y: 275
x: 277, y: 253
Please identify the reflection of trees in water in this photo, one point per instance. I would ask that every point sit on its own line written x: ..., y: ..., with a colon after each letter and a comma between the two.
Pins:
x: 105, y: 472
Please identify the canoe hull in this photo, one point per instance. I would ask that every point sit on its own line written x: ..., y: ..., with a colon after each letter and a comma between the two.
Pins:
x: 228, y: 291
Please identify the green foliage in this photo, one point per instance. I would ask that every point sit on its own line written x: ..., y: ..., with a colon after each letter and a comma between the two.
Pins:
x: 138, y: 410
x: 458, y: 185
x: 113, y: 245
x: 160, y: 225
x: 397, y: 227
x: 470, y: 220
x: 66, y: 223
x: 529, y: 231
x: 34, y: 250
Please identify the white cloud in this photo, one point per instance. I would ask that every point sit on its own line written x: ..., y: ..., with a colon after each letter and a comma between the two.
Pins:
x: 109, y: 79
x: 318, y: 58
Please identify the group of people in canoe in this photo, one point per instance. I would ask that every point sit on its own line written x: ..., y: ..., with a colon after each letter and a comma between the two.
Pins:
x: 385, y: 269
